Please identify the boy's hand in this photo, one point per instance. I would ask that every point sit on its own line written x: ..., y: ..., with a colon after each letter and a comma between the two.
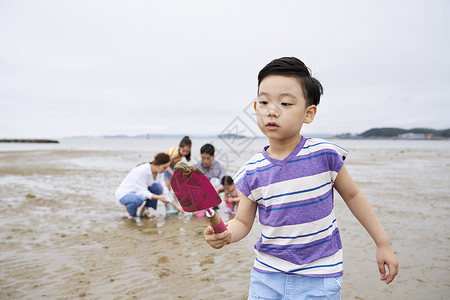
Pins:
x: 385, y: 256
x: 219, y: 240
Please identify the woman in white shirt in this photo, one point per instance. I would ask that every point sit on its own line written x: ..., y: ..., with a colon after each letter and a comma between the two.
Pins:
x: 145, y: 183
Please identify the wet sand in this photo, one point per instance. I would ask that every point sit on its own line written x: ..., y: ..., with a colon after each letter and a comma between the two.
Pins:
x: 64, y: 237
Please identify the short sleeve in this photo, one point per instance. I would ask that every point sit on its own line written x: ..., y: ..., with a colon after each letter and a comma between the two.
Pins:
x: 336, y: 156
x: 241, y: 182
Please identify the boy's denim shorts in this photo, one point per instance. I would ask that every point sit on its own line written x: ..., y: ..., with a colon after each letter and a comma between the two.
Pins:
x: 287, y: 287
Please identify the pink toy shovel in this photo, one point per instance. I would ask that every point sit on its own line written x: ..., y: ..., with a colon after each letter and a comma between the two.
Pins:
x: 195, y: 192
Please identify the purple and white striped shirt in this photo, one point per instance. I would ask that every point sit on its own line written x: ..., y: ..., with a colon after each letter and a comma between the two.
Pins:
x: 299, y: 232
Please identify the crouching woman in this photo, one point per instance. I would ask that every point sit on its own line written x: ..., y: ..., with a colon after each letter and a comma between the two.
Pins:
x: 145, y: 182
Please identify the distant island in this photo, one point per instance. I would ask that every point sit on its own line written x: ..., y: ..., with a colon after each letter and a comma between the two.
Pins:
x: 37, y: 141
x: 399, y: 133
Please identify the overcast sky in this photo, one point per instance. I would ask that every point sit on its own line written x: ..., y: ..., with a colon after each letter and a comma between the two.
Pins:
x: 136, y: 67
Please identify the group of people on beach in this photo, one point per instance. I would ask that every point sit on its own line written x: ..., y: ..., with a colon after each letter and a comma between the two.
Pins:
x: 149, y: 182
x: 291, y: 185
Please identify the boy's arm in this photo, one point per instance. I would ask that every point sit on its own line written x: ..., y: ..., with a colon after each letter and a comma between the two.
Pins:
x: 238, y: 227
x: 363, y: 211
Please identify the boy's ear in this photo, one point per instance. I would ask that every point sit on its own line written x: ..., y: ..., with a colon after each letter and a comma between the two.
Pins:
x: 254, y: 105
x: 310, y: 114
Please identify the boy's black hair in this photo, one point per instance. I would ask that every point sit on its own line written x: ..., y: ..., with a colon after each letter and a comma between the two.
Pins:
x: 293, y: 67
x: 208, y: 149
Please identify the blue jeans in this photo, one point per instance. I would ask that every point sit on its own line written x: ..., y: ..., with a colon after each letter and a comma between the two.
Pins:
x: 133, y: 201
x: 289, y: 287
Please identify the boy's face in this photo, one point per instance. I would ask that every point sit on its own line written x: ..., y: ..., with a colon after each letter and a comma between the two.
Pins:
x: 281, y: 108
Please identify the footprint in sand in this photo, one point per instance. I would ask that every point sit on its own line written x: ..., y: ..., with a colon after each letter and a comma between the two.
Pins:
x: 164, y: 273
x: 208, y: 260
x: 163, y: 260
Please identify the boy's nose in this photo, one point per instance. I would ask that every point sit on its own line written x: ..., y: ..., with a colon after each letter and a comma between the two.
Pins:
x: 272, y: 111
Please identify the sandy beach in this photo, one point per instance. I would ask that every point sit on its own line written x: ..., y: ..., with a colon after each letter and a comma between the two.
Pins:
x: 64, y: 237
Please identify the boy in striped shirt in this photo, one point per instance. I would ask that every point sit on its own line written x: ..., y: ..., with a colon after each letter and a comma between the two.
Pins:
x: 290, y: 183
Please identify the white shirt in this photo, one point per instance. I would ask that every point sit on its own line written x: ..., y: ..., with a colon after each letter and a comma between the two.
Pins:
x: 137, y: 182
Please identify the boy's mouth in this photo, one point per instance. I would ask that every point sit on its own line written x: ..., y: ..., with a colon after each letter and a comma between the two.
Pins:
x: 272, y: 125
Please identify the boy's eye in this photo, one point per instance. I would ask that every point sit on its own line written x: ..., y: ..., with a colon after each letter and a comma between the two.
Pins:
x: 286, y: 104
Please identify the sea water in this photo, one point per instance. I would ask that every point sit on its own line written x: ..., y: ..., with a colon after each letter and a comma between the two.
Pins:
x: 233, y: 152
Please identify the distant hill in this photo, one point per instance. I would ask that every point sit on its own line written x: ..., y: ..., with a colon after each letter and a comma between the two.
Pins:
x: 390, y: 132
